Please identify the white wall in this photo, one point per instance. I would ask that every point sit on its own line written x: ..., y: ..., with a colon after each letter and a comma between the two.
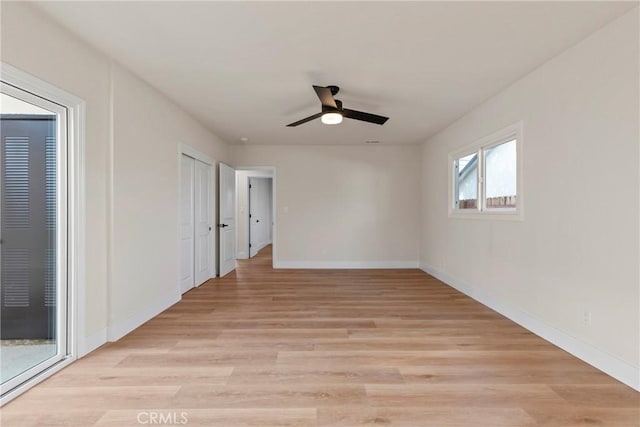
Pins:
x: 132, y: 137
x: 342, y: 206
x: 577, y: 247
x: 147, y: 131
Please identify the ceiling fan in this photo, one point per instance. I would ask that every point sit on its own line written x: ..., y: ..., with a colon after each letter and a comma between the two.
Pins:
x: 332, y: 111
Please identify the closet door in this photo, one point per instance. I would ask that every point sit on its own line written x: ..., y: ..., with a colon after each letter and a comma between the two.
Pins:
x: 202, y: 181
x: 187, y: 226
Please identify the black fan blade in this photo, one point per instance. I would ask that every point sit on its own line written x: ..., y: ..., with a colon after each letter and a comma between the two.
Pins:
x: 365, y: 117
x: 325, y: 95
x: 308, y: 119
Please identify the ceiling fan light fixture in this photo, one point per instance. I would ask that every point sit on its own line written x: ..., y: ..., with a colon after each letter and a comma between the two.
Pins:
x: 331, y: 118
x: 332, y: 112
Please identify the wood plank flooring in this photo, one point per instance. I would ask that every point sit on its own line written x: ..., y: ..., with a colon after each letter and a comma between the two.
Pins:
x: 266, y: 347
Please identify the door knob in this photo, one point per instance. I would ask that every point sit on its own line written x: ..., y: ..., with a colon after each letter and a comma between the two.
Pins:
x: 223, y: 225
x: 257, y: 220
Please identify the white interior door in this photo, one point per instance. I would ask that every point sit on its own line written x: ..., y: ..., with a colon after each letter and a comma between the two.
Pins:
x: 227, y: 206
x: 254, y: 220
x: 269, y: 197
x: 260, y: 215
x: 202, y: 191
x: 187, y: 215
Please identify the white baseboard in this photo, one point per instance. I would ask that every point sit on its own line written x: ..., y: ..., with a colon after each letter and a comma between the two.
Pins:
x: 242, y: 255
x: 597, y: 358
x: 122, y: 328
x: 345, y: 264
x: 92, y: 342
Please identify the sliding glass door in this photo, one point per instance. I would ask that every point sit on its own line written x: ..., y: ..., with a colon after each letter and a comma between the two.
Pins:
x: 33, y: 241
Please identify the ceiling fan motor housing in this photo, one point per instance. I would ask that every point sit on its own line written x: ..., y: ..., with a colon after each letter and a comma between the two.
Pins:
x: 329, y: 109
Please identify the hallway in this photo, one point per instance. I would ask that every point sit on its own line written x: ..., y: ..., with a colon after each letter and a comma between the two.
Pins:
x: 264, y: 347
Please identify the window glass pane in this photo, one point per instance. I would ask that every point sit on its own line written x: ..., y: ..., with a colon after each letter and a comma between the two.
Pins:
x: 501, y: 178
x: 29, y: 288
x: 467, y: 182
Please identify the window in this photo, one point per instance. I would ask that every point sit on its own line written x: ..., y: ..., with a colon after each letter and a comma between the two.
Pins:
x: 467, y: 182
x: 500, y: 181
x: 486, y: 177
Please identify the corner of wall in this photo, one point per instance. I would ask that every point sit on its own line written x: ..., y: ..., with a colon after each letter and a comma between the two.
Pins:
x: 608, y: 364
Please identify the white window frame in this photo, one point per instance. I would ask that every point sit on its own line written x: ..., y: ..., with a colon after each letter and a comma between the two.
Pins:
x: 61, y: 232
x: 479, y: 147
x: 73, y: 209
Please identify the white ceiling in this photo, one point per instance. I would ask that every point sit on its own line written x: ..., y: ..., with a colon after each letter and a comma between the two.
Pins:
x: 245, y: 69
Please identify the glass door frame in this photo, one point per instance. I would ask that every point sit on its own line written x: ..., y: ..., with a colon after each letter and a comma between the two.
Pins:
x: 61, y: 315
x: 70, y: 222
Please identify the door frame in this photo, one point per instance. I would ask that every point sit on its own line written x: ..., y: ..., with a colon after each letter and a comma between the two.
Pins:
x: 198, y: 155
x: 274, y: 210
x: 74, y: 162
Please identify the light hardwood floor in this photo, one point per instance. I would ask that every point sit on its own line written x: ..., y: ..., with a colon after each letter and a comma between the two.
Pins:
x: 266, y: 347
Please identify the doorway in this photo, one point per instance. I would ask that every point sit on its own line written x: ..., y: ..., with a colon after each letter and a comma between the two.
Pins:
x: 196, y: 221
x: 260, y: 208
x: 256, y: 210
